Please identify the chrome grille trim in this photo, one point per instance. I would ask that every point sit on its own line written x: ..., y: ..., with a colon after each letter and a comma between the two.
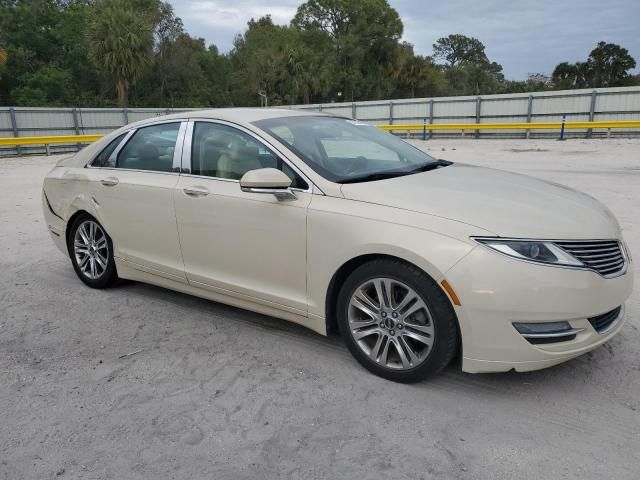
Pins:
x: 603, y: 256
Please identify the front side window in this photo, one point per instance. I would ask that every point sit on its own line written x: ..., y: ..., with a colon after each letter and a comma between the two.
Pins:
x: 346, y: 151
x: 222, y: 151
x: 104, y: 157
x: 150, y: 148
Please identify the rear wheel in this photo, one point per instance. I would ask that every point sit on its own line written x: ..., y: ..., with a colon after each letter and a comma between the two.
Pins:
x: 91, y: 252
x: 396, y: 321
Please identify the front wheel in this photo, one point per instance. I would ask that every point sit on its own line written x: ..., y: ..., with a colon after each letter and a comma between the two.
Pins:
x: 91, y: 252
x: 396, y: 321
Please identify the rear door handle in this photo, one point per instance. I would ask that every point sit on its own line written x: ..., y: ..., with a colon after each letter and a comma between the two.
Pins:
x: 196, y: 191
x: 109, y: 181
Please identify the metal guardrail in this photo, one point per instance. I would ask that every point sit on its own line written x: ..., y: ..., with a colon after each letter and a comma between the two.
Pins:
x: 527, y: 127
x: 513, y: 126
x: 424, y: 127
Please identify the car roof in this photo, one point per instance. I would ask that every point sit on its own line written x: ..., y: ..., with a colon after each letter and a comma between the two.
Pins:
x: 236, y: 115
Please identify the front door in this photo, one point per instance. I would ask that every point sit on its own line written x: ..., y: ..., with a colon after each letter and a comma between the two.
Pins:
x: 132, y: 189
x: 248, y: 245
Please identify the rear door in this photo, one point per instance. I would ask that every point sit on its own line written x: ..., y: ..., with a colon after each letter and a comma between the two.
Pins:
x: 132, y: 189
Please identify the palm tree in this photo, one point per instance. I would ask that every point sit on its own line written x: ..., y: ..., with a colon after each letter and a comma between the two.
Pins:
x: 120, y: 43
x: 3, y: 57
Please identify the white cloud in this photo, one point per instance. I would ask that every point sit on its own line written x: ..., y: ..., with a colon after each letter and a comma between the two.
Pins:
x: 219, y: 21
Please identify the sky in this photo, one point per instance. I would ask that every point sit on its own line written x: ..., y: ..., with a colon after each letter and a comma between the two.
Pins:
x: 524, y: 36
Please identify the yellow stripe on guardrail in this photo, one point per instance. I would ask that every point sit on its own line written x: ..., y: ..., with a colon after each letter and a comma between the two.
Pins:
x: 512, y: 126
x: 48, y: 140
x: 69, y: 139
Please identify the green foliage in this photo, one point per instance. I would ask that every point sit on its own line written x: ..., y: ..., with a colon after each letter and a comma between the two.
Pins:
x: 49, y: 85
x: 608, y: 65
x: 106, y: 52
x: 120, y: 42
x: 363, y: 38
x: 459, y: 50
x: 468, y: 69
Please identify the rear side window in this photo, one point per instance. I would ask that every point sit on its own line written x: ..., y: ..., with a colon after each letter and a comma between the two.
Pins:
x: 150, y: 148
x: 102, y: 160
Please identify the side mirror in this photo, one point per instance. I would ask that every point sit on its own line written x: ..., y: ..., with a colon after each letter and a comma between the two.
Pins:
x: 268, y: 180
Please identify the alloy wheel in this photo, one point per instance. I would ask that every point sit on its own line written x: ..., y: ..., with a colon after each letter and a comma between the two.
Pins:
x: 391, y: 323
x: 91, y: 249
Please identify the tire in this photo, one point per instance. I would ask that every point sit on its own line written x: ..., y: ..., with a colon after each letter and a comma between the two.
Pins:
x: 91, y: 252
x: 404, y: 341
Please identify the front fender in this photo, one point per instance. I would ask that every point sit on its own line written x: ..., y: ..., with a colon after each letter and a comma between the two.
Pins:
x: 340, y: 230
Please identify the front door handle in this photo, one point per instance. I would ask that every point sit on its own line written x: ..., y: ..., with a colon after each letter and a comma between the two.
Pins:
x: 109, y: 181
x: 196, y: 191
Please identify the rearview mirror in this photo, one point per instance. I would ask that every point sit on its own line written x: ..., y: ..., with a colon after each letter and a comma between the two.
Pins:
x: 268, y: 180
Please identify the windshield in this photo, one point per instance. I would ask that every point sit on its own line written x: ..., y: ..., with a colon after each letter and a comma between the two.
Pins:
x: 346, y: 151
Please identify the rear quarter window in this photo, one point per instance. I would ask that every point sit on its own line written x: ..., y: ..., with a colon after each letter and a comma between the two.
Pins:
x: 103, y: 158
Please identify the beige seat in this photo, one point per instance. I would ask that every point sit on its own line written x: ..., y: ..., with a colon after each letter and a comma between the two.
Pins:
x: 237, y: 161
x: 211, y: 148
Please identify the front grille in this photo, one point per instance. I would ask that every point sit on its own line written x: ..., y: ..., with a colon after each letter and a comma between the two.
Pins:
x: 602, y: 322
x: 603, y: 256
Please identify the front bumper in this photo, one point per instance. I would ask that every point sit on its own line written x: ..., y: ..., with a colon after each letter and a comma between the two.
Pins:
x: 495, y: 291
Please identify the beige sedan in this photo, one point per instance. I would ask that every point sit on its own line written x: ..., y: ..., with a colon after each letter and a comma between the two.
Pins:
x: 337, y: 226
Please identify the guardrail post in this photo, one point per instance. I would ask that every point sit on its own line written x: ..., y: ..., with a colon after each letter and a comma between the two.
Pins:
x: 320, y: 107
x: 353, y: 111
x: 424, y: 130
x: 478, y: 103
x: 390, y: 112
x: 592, y: 111
x: 430, y: 118
x: 125, y: 115
x: 14, y: 127
x: 564, y: 119
x: 529, y: 110
x: 76, y: 124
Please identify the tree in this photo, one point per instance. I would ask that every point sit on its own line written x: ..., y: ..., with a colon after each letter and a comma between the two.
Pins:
x: 609, y: 64
x: 570, y: 75
x: 49, y: 85
x: 3, y: 59
x: 120, y: 42
x: 468, y: 69
x: 364, y: 37
x: 419, y: 76
x: 459, y: 49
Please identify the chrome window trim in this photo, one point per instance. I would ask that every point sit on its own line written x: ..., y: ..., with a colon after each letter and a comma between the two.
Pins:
x: 127, y: 137
x: 188, y: 145
x: 186, y: 149
x: 584, y: 268
x: 115, y: 169
x: 177, y: 152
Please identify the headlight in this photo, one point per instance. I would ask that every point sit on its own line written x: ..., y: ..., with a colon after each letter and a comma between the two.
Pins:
x: 532, y: 250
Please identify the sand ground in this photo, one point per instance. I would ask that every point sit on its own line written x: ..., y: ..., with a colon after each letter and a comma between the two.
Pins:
x: 221, y: 393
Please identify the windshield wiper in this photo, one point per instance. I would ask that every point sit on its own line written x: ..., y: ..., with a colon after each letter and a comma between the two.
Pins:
x: 375, y: 176
x: 396, y: 173
x: 431, y: 166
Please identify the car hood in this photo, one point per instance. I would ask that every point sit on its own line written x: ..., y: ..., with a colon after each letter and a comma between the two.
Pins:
x: 507, y: 204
